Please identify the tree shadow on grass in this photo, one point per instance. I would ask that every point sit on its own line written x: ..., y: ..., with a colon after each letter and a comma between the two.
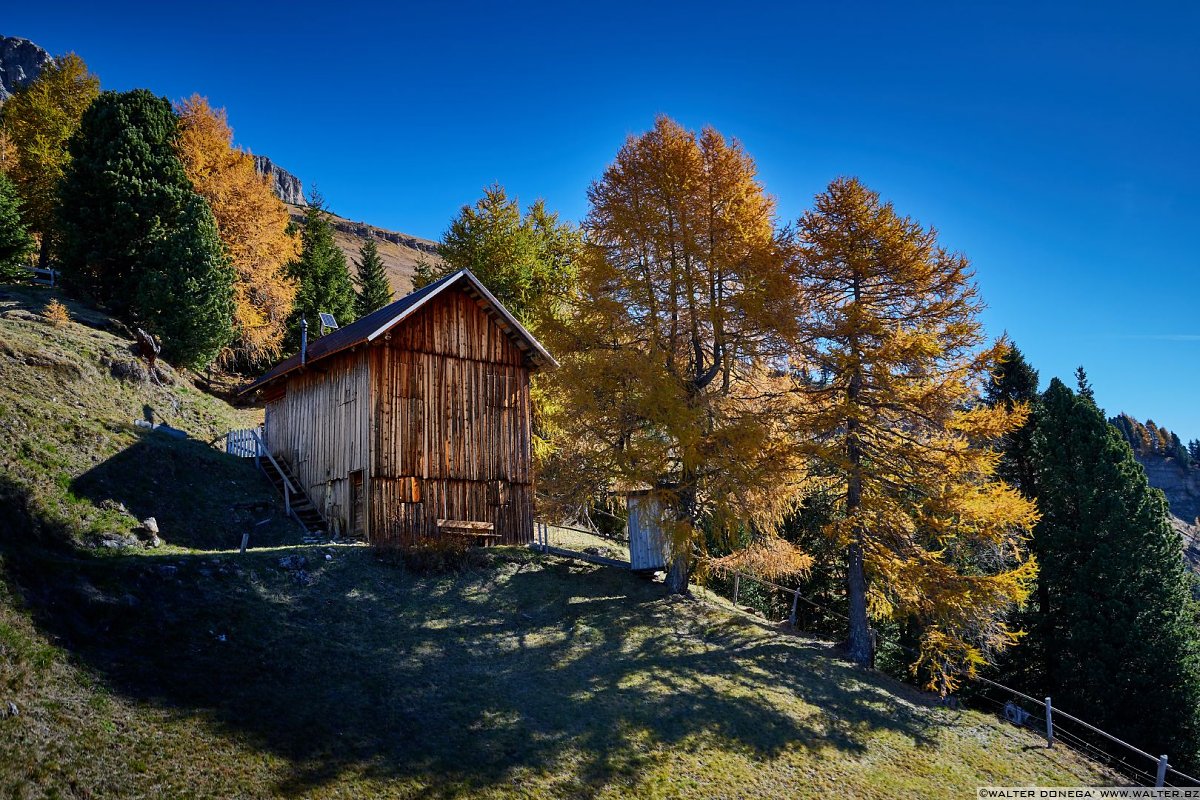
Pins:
x: 532, y: 667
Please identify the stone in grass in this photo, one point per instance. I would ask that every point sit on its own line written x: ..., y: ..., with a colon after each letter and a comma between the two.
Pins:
x: 148, y: 530
x: 11, y: 709
x: 293, y: 562
x: 116, y: 541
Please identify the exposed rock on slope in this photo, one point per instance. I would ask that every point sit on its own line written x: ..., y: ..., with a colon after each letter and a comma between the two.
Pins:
x: 286, y: 185
x: 1181, y: 485
x: 20, y: 62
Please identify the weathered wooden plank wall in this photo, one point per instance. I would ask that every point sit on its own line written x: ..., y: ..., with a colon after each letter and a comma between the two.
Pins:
x: 321, y: 427
x: 451, y: 418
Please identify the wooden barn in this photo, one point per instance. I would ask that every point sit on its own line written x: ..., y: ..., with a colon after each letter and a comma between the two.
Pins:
x: 414, y: 421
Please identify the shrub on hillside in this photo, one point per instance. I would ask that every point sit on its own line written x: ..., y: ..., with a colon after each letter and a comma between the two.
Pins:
x: 56, y: 314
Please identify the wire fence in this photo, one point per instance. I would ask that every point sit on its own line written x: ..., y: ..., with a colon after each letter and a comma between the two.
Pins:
x: 581, y: 542
x: 1051, y: 722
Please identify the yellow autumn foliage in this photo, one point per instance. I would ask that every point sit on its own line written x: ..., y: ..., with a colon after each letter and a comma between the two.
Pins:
x: 38, y: 121
x: 666, y: 378
x: 254, y: 227
x: 893, y: 360
x: 8, y: 152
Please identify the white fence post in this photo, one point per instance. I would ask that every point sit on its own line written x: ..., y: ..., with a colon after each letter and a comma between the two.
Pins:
x: 1161, y: 779
x: 737, y: 584
x: 1049, y: 724
x: 795, y: 600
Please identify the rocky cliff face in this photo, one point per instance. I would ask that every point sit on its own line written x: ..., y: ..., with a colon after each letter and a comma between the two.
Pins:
x: 1182, y: 488
x: 20, y: 62
x: 1181, y: 485
x: 287, y: 186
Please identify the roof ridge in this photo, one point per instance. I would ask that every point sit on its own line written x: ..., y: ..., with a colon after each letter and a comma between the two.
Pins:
x: 371, y: 326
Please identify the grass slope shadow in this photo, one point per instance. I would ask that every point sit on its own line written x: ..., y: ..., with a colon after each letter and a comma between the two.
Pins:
x: 201, y: 498
x: 533, y: 667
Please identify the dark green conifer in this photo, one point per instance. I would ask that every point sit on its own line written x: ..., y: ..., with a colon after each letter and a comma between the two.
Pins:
x: 1116, y: 636
x: 374, y: 291
x: 16, y: 244
x: 1015, y: 382
x: 135, y: 235
x: 325, y: 283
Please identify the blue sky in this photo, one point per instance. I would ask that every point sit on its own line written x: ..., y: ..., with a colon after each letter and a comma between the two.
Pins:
x: 1054, y: 144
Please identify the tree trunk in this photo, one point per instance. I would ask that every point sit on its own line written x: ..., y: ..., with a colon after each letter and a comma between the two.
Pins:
x: 681, y: 561
x: 860, y: 643
x: 859, y: 646
x: 44, y: 253
x: 678, y: 574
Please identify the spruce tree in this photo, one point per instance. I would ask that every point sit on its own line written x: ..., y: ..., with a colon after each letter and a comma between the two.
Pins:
x: 1127, y: 427
x: 325, y: 283
x: 1015, y: 383
x: 16, y: 244
x: 1083, y: 384
x: 190, y: 308
x: 1178, y: 452
x: 1116, y: 636
x: 135, y: 236
x: 374, y: 291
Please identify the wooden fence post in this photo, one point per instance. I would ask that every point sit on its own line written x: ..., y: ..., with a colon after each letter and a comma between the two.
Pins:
x: 737, y: 584
x: 795, y: 600
x: 1049, y: 724
x: 245, y: 541
x: 287, y: 499
x: 1161, y: 779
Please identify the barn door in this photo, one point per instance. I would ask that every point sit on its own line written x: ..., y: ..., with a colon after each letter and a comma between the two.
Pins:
x: 357, y: 503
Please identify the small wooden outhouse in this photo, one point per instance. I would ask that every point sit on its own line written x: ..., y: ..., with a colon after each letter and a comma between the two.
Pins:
x: 649, y: 545
x: 414, y: 421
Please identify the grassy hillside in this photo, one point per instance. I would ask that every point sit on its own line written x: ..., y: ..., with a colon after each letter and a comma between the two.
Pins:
x: 230, y: 676
x: 71, y: 450
x: 189, y: 670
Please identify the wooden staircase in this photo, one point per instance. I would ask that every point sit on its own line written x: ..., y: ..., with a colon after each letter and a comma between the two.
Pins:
x: 296, y: 502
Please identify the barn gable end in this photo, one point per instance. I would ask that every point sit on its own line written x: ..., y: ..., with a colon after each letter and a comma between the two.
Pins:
x: 452, y: 426
x: 414, y: 419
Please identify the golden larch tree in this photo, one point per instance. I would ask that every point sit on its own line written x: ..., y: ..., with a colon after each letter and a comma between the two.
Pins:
x: 8, y: 151
x: 38, y: 121
x: 893, y: 361
x: 667, y: 380
x: 254, y: 226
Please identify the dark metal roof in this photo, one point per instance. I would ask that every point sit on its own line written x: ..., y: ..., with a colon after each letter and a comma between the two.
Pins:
x: 375, y: 324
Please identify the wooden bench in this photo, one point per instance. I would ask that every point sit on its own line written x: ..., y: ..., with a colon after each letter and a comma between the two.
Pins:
x: 483, y: 532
